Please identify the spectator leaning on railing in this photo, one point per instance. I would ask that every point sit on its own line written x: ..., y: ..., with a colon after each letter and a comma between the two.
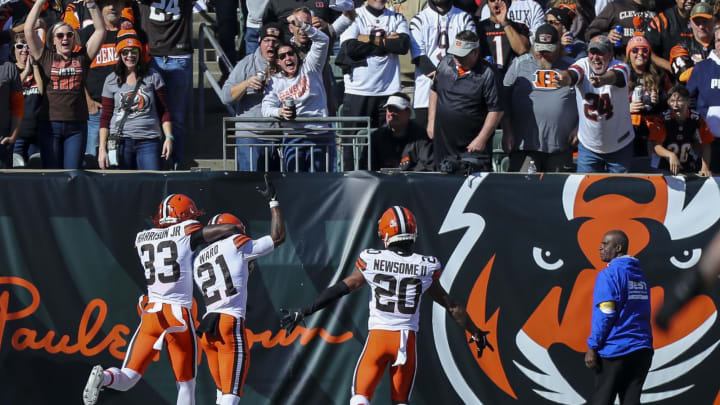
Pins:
x: 296, y: 90
x: 246, y: 85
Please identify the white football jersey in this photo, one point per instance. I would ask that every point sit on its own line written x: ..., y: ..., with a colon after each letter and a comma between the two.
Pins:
x: 430, y: 35
x: 527, y: 12
x: 221, y: 272
x: 604, y: 112
x: 396, y: 284
x: 166, y: 255
x: 381, y: 76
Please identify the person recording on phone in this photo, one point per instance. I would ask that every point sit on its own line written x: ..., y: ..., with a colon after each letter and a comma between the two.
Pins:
x: 296, y: 90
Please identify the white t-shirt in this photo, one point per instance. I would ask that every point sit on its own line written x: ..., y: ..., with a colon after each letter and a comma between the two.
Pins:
x: 166, y: 255
x: 221, y: 272
x: 381, y: 76
x: 605, y: 125
x: 397, y: 284
x: 430, y: 35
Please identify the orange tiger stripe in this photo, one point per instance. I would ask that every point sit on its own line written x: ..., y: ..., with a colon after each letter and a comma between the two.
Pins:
x: 192, y: 228
x: 240, y: 240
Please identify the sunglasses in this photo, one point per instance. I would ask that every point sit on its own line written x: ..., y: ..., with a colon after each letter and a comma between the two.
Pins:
x: 61, y: 35
x: 21, y: 46
x: 641, y: 49
x: 128, y: 51
x: 284, y: 55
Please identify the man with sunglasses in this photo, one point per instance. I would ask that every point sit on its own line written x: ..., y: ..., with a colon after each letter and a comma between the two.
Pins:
x: 246, y: 87
x: 605, y: 131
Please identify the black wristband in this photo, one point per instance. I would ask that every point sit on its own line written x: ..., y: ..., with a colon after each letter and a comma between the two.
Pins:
x: 328, y: 295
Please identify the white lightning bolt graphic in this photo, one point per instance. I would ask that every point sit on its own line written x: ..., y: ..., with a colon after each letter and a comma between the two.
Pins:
x: 455, y: 219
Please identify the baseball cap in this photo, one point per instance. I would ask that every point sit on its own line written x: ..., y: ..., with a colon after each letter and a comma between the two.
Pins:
x: 271, y: 30
x: 565, y: 13
x: 701, y: 10
x: 546, y: 38
x: 461, y: 48
x: 600, y: 43
x: 399, y: 102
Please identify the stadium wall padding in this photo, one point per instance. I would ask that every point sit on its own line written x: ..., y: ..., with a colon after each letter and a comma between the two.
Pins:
x: 520, y: 252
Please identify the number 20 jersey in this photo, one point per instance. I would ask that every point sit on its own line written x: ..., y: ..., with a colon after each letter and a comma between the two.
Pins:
x: 396, y: 284
x: 166, y: 255
x: 605, y: 125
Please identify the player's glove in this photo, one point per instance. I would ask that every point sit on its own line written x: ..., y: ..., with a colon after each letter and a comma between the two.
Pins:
x: 291, y: 318
x: 481, y: 341
x: 268, y: 192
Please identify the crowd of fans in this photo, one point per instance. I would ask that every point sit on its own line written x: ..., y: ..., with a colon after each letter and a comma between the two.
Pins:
x: 622, y: 85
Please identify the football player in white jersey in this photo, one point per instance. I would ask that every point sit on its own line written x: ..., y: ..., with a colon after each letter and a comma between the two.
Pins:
x: 398, y: 278
x: 165, y: 252
x: 221, y: 273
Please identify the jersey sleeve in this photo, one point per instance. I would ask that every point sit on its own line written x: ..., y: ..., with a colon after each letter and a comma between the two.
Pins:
x: 361, y: 264
x: 579, y: 68
x: 417, y: 42
x: 623, y: 69
x: 258, y: 247
x: 401, y: 25
x: 191, y: 226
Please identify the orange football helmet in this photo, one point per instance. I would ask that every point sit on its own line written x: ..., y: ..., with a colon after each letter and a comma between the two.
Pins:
x: 397, y: 224
x: 227, y: 219
x: 174, y: 209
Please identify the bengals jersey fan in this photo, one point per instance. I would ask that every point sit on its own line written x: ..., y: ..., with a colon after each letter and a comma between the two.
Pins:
x: 678, y: 135
x: 165, y: 253
x: 397, y: 277
x: 221, y: 272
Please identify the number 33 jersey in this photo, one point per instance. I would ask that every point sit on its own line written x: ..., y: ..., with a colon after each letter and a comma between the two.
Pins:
x: 396, y: 284
x: 221, y: 272
x: 167, y: 257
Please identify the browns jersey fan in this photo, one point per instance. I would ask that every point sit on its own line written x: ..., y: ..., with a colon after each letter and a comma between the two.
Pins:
x: 165, y: 252
x: 677, y: 136
x: 397, y: 277
x: 221, y: 273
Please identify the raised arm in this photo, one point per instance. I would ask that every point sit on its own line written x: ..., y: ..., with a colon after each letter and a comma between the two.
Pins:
x: 35, y: 43
x: 277, y: 224
x: 96, y: 39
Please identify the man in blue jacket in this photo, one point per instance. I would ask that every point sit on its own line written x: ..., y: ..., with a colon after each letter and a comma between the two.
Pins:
x: 620, y: 346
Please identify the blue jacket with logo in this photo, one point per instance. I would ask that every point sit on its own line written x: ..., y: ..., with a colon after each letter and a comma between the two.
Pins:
x: 626, y: 327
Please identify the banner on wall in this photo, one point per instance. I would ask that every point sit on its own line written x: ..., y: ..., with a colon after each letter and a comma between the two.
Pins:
x: 520, y: 251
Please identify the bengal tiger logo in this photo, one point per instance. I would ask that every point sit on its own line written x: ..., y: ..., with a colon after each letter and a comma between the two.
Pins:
x: 525, y: 263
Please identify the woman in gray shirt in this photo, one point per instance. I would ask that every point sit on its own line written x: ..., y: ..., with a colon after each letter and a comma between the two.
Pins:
x: 134, y: 100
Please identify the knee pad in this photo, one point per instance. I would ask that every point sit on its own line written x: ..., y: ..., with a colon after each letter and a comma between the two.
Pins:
x: 359, y: 400
x: 123, y: 380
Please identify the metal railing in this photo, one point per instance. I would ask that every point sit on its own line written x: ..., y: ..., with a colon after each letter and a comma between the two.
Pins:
x: 348, y: 132
x: 205, y: 32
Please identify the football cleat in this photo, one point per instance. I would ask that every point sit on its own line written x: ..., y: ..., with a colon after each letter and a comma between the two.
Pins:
x: 397, y: 224
x: 93, y: 386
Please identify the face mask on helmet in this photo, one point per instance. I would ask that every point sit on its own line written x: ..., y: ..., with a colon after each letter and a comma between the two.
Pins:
x: 227, y: 219
x: 397, y: 224
x: 174, y: 209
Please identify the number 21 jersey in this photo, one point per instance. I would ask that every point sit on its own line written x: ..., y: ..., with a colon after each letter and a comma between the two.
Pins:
x: 167, y: 257
x: 397, y: 284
